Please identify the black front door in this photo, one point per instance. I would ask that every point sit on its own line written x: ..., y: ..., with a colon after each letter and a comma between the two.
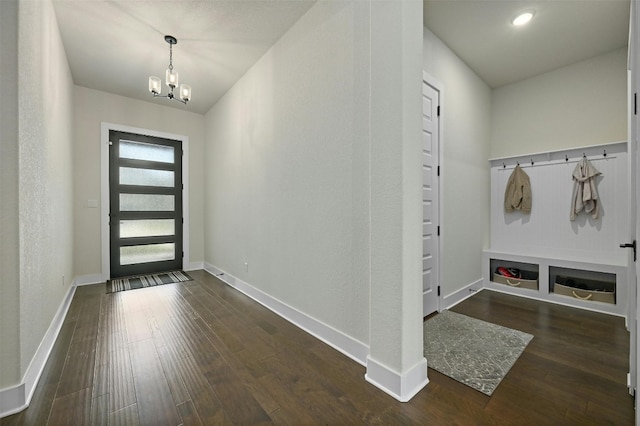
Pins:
x: 145, y: 191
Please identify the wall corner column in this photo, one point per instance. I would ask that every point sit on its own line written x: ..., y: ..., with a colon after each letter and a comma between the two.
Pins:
x: 396, y: 363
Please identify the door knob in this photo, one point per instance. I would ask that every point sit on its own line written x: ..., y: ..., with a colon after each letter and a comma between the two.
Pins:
x: 632, y: 245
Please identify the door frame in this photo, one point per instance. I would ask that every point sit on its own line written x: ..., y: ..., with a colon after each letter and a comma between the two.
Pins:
x: 633, y: 76
x: 437, y: 85
x: 105, y: 127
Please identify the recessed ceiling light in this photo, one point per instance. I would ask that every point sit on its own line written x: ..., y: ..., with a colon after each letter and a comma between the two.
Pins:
x: 523, y: 18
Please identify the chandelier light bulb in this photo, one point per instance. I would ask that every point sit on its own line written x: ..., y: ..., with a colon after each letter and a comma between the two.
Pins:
x: 185, y: 92
x: 171, y: 78
x: 155, y: 85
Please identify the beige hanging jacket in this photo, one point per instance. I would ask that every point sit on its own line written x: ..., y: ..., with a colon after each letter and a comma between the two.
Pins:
x: 517, y: 195
x: 585, y: 193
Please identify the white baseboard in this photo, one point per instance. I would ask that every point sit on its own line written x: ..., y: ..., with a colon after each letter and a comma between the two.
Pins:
x: 89, y: 279
x: 18, y: 397
x: 465, y: 292
x: 194, y: 266
x: 402, y: 387
x: 347, y: 345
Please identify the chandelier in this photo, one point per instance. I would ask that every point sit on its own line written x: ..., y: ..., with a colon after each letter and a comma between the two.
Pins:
x: 171, y: 78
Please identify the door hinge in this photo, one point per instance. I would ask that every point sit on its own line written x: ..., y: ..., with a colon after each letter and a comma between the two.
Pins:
x: 438, y: 230
x: 438, y: 170
x: 635, y: 103
x: 438, y: 290
x: 632, y: 245
x: 183, y: 254
x: 438, y: 111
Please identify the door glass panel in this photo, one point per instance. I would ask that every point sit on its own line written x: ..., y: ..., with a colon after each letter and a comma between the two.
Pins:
x: 146, y: 228
x: 146, y: 151
x: 146, y: 202
x: 146, y: 177
x: 130, y: 255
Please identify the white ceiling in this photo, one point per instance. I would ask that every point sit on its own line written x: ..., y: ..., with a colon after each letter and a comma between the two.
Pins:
x: 114, y: 45
x: 562, y: 32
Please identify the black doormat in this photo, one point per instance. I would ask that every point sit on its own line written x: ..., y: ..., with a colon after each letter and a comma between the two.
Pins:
x: 142, y: 281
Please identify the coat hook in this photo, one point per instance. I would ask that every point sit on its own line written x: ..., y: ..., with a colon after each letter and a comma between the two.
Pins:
x: 583, y: 155
x: 566, y: 157
x: 532, y: 161
x: 504, y: 166
x: 518, y: 163
x: 605, y: 152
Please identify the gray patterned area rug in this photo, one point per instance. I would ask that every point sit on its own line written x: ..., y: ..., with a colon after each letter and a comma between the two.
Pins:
x: 474, y: 352
x: 130, y: 283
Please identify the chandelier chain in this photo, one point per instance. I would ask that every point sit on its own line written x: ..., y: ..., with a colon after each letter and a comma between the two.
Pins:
x: 170, y: 56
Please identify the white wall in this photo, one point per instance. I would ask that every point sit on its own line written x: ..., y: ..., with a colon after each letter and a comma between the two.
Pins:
x: 45, y: 114
x: 287, y: 171
x: 578, y: 105
x: 465, y: 170
x: 313, y: 178
x: 93, y: 107
x: 9, y: 238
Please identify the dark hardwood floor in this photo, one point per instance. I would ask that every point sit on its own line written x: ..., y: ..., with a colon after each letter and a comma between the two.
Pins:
x: 202, y: 353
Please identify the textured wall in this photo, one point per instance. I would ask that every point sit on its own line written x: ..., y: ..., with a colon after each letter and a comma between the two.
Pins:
x: 396, y: 188
x: 287, y: 171
x: 93, y: 107
x: 465, y: 151
x: 45, y: 173
x: 9, y: 243
x: 297, y: 173
x: 577, y: 105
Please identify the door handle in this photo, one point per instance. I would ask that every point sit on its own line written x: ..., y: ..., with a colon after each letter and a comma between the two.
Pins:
x: 632, y: 245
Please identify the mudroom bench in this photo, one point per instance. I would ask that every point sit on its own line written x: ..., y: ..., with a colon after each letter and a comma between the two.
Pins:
x: 597, y: 283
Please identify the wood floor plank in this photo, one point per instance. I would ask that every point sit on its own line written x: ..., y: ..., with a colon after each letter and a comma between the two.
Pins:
x: 207, y: 405
x: 606, y: 413
x: 291, y: 407
x: 207, y: 354
x: 321, y: 401
x: 122, y: 392
x: 100, y: 380
x: 527, y: 373
x: 71, y: 409
x: 153, y: 395
x: 188, y: 414
x: 174, y: 380
x: 78, y: 371
x: 237, y: 402
x: 100, y: 410
x: 137, y: 327
x: 127, y: 416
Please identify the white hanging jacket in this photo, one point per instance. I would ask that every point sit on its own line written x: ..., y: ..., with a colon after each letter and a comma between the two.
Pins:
x: 585, y: 193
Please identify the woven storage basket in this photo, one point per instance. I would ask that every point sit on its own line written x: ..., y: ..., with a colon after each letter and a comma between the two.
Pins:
x: 591, y: 290
x: 529, y: 280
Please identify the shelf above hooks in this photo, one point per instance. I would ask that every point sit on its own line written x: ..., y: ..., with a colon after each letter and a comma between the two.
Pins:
x: 593, y: 152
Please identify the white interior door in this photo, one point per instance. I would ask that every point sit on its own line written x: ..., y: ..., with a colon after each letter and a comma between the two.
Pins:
x: 430, y: 231
x: 634, y: 162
